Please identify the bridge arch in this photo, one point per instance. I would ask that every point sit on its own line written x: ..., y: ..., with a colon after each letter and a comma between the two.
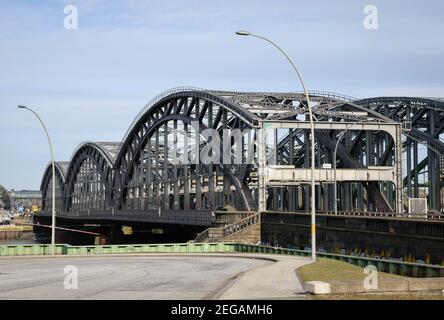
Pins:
x: 425, y: 117
x: 173, y: 110
x: 420, y: 112
x: 46, y: 186
x: 89, y: 177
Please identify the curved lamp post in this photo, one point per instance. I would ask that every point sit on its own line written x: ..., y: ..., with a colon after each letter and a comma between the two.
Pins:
x: 335, y: 185
x: 312, y: 137
x: 51, y: 149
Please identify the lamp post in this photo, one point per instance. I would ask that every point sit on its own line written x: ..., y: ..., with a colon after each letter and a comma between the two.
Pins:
x: 312, y: 137
x: 51, y: 149
x: 335, y: 186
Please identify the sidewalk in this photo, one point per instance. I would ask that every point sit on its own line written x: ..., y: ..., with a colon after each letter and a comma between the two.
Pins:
x: 274, y: 281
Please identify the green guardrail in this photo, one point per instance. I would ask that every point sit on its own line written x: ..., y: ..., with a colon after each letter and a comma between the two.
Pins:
x: 408, y: 269
x: 390, y: 266
x: 65, y: 249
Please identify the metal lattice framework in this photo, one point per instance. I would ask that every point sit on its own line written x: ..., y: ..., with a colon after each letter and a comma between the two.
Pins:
x: 141, y: 175
x: 425, y: 116
x: 89, y: 177
x: 46, y: 185
x: 141, y: 167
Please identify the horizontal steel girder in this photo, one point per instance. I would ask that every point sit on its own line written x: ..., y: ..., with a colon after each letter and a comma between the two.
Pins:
x: 289, y: 175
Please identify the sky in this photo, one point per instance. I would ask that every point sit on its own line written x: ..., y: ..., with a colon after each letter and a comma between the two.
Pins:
x: 89, y: 83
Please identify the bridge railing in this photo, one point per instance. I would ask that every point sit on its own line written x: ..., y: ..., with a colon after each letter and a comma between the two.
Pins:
x: 333, y: 95
x: 226, y: 217
x: 65, y: 249
x: 242, y: 224
x: 186, y: 217
x: 416, y: 270
x: 395, y: 215
x: 219, y: 233
x: 209, y: 235
x: 201, y: 237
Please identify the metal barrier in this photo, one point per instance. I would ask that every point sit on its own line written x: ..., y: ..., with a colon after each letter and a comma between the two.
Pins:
x: 415, y: 270
x: 31, y: 249
x: 64, y: 249
x: 394, y: 215
x: 395, y: 267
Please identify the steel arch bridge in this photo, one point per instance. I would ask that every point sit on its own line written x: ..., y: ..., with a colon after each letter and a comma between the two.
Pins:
x: 267, y: 167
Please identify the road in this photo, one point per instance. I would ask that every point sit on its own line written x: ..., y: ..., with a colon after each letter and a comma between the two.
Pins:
x: 139, y: 277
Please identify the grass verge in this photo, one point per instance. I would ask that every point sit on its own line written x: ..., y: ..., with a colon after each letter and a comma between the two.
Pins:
x: 329, y: 270
x: 334, y: 271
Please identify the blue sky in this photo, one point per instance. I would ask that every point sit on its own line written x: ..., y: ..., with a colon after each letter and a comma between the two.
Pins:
x: 89, y: 84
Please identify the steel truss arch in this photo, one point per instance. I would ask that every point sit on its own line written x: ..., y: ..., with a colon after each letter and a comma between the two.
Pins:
x: 97, y: 177
x: 424, y: 119
x: 46, y: 185
x: 124, y: 176
x: 186, y: 106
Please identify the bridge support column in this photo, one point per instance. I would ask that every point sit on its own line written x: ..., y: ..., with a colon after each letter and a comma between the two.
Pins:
x: 262, y: 205
x: 226, y: 190
x: 398, y: 163
x: 433, y: 172
x: 187, y: 178
x: 415, y: 170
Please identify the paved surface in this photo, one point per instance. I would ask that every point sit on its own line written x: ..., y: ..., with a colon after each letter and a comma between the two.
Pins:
x: 151, y: 277
x: 273, y: 281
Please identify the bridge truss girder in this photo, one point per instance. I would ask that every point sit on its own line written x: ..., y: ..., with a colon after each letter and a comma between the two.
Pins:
x: 139, y: 174
x: 426, y: 118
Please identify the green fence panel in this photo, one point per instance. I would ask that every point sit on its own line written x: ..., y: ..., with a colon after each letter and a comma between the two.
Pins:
x: 60, y: 249
x: 44, y: 249
x: 121, y: 249
x: 12, y: 250
x: 73, y: 250
x: 167, y: 248
x: 182, y: 248
x: 199, y: 248
x: 153, y: 248
x: 213, y: 247
x: 29, y: 250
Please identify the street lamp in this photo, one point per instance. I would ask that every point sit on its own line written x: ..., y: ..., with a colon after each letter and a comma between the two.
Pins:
x: 335, y: 186
x: 51, y: 149
x: 312, y: 137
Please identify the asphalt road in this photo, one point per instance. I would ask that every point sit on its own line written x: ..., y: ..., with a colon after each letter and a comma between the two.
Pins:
x: 130, y: 277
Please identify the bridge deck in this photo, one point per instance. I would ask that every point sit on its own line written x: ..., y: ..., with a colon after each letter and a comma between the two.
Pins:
x: 183, y: 217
